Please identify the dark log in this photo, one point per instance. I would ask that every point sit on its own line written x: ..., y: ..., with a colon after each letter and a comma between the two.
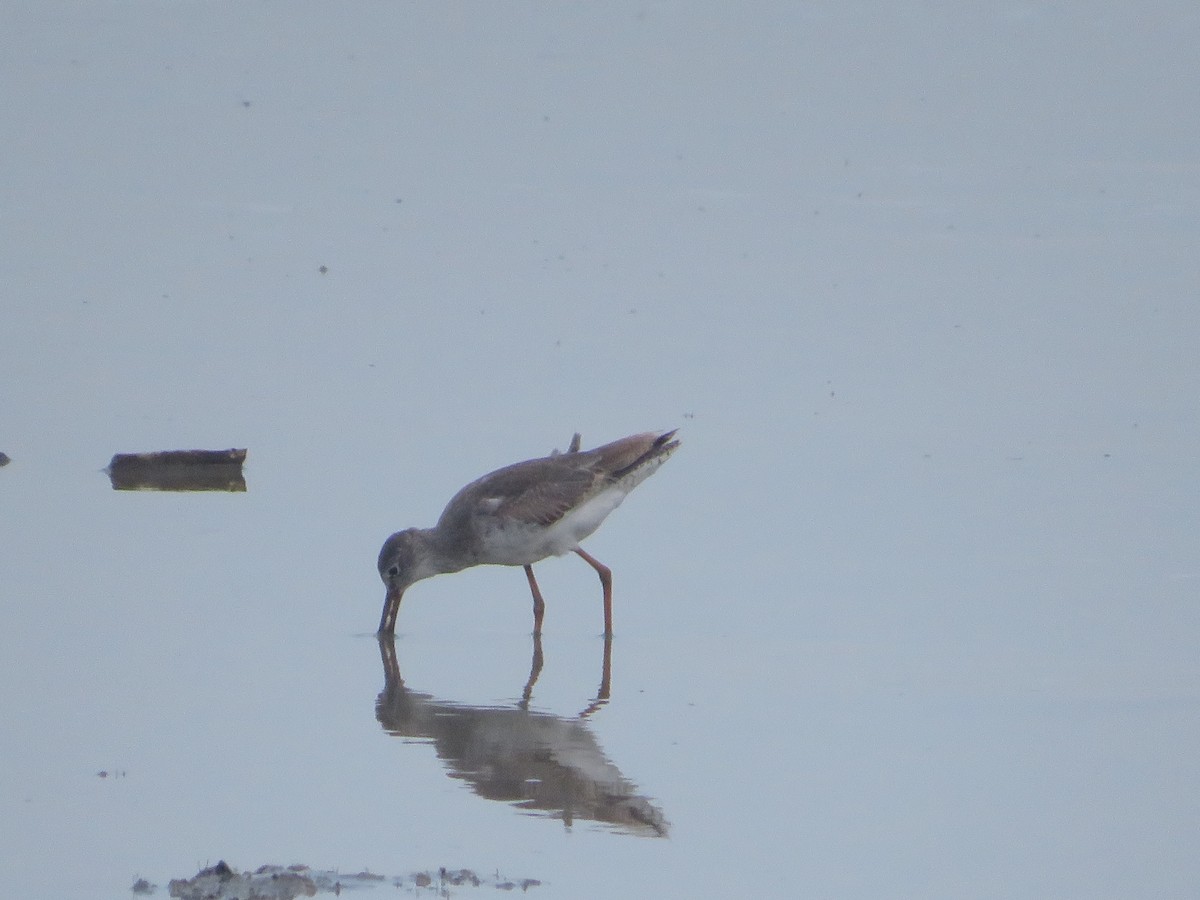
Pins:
x: 178, y: 470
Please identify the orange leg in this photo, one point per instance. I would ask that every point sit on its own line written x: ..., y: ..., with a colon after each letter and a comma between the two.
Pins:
x: 539, y: 605
x: 605, y: 574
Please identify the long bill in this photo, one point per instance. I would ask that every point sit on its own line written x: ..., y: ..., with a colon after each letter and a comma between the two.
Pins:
x: 391, y: 607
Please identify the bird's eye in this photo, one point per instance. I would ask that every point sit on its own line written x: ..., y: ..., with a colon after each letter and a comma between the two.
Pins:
x: 393, y: 571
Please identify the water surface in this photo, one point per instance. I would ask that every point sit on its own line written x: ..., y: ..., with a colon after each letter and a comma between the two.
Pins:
x: 912, y: 612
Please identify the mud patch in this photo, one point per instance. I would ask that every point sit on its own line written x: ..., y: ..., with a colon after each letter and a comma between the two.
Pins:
x: 222, y: 882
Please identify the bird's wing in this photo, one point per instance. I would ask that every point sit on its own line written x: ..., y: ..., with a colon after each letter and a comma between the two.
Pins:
x: 538, y: 492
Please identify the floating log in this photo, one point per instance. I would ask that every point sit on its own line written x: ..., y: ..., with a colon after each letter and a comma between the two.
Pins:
x: 178, y: 470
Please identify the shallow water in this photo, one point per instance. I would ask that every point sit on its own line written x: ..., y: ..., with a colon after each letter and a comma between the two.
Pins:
x: 912, y: 612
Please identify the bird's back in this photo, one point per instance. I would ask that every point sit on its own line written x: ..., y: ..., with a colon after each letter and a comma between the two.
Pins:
x: 539, y: 492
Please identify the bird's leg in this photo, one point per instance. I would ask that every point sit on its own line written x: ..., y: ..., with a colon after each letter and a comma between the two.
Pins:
x: 539, y: 605
x: 605, y: 574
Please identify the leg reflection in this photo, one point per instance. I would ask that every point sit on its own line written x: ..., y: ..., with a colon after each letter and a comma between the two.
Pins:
x: 605, y: 680
x: 535, y: 669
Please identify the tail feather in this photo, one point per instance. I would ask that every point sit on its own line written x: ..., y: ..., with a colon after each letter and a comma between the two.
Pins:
x: 573, y: 447
x: 638, y: 451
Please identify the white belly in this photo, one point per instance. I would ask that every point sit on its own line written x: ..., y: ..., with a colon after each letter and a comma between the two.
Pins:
x: 519, y: 545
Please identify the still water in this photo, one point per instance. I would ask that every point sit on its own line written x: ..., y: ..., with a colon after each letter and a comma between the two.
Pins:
x: 913, y: 610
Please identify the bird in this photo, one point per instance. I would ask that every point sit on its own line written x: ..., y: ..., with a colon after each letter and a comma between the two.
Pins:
x: 522, y: 514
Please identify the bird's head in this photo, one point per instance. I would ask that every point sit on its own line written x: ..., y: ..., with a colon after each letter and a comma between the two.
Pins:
x: 399, y: 566
x: 406, y: 557
x: 400, y: 560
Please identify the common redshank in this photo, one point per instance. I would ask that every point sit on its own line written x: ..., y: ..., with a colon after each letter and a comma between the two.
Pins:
x: 524, y: 513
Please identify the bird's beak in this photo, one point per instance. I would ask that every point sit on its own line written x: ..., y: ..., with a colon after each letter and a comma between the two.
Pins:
x: 391, y: 606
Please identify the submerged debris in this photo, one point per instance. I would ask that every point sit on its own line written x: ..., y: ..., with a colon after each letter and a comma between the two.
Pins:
x: 178, y: 470
x: 222, y: 882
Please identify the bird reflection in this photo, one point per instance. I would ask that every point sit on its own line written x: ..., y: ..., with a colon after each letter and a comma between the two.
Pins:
x: 540, y: 762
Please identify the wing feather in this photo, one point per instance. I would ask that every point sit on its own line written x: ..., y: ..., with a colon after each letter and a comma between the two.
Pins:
x: 544, y: 495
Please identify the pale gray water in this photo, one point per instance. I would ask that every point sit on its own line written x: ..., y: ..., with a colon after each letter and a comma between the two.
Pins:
x: 912, y: 612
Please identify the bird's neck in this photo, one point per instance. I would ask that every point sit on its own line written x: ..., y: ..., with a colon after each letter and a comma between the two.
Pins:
x: 442, y: 553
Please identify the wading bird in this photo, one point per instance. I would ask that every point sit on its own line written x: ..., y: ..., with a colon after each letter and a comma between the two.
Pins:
x: 524, y: 513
